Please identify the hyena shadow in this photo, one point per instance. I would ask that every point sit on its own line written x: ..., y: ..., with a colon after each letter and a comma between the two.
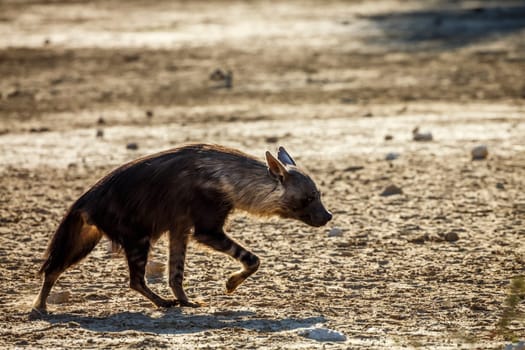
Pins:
x: 177, y: 322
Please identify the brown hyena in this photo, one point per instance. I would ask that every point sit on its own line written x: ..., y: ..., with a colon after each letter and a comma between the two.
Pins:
x: 188, y: 192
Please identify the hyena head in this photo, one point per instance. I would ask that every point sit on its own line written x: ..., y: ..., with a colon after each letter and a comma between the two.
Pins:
x: 301, y: 198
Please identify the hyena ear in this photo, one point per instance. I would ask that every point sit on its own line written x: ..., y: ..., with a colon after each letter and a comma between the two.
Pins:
x: 275, y: 167
x: 285, y: 157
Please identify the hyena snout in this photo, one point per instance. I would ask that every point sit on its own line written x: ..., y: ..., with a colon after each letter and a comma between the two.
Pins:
x: 317, y: 216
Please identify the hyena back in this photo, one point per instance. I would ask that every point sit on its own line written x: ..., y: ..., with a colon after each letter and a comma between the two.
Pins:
x: 189, y: 193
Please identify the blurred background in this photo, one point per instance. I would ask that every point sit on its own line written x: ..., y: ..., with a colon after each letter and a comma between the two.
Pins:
x: 145, y: 72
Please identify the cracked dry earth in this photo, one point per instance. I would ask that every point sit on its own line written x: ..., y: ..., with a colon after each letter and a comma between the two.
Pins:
x: 428, y: 268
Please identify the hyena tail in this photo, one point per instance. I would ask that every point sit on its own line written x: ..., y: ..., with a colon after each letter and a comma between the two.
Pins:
x: 72, y: 241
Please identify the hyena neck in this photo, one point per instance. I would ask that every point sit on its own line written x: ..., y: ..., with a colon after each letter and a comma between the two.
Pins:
x: 256, y: 192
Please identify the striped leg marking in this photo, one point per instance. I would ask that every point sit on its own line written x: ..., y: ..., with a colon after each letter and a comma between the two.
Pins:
x: 222, y: 243
x: 137, y: 258
x: 177, y: 256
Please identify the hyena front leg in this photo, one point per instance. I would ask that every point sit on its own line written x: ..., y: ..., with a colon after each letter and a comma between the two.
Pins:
x: 137, y: 256
x: 219, y: 241
x: 177, y: 256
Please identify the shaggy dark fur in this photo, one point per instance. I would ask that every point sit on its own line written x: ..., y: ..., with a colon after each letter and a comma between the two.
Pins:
x: 188, y: 192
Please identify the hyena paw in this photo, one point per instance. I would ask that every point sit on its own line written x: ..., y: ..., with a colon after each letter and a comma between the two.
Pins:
x: 233, y: 282
x: 168, y: 303
x: 37, y: 313
x: 187, y: 303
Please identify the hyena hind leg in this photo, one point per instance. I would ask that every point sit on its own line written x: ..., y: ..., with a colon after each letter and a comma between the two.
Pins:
x: 219, y: 241
x: 73, y: 241
x: 40, y: 303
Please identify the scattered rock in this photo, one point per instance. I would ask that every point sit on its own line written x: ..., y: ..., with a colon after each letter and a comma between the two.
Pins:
x: 220, y: 75
x: 389, y: 137
x: 101, y: 121
x: 451, y: 236
x: 47, y: 41
x: 131, y: 58
x: 500, y: 186
x: 420, y: 239
x: 392, y: 156
x: 96, y: 297
x: 368, y: 115
x: 57, y: 81
x: 40, y: 129
x: 353, y: 168
x: 59, y: 297
x: 272, y: 139
x: 217, y: 75
x: 155, y: 269
x: 421, y: 136
x: 149, y: 113
x: 335, y: 232
x: 100, y: 133
x: 479, y: 152
x: 114, y: 248
x: 228, y: 81
x: 322, y: 334
x: 391, y: 190
x: 132, y: 146
x: 519, y: 346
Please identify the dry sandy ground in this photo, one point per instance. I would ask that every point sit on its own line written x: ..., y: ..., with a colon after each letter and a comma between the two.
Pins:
x: 329, y: 80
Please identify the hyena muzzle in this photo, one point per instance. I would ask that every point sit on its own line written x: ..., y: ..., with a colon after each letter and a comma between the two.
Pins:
x: 187, y: 192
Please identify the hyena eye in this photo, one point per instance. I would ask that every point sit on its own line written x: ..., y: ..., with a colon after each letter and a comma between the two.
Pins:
x: 306, y: 201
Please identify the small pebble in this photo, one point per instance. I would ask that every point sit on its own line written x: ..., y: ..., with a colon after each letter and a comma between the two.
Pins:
x: 228, y: 81
x: 322, y: 334
x: 155, y: 269
x: 391, y: 190
x: 40, y: 129
x: 389, y: 137
x: 420, y: 239
x: 100, y: 133
x: 421, y: 136
x: 392, y: 156
x: 335, y: 232
x: 101, y: 121
x: 272, y: 139
x: 149, y: 114
x: 217, y: 75
x: 500, y: 186
x: 113, y: 247
x: 451, y: 236
x: 479, y: 152
x: 132, y: 146
x: 59, y: 297
x: 353, y: 168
